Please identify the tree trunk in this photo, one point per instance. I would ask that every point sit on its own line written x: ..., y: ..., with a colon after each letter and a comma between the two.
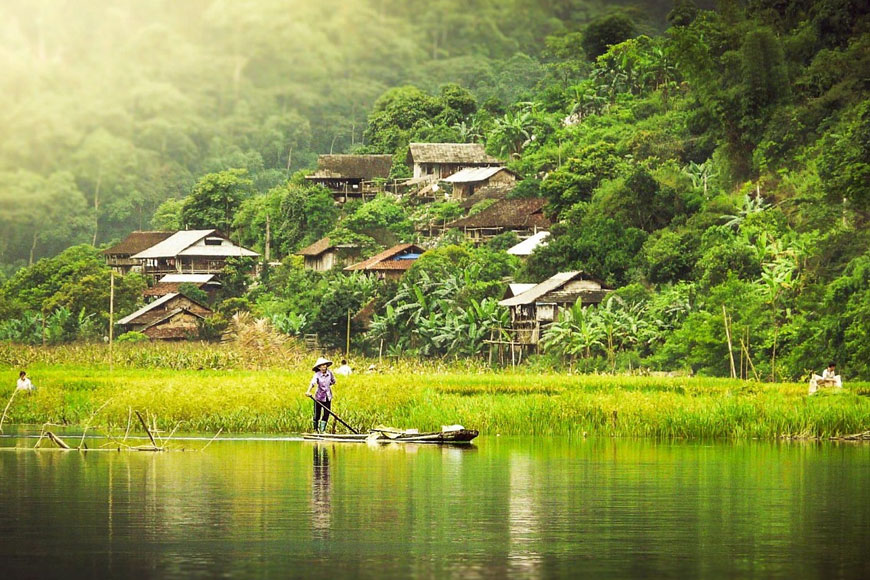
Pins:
x: 97, y: 206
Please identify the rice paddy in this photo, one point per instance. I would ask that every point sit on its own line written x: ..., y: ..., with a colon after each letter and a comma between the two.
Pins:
x: 206, y: 388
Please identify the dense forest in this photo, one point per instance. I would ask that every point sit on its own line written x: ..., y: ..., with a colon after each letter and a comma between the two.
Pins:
x: 712, y: 165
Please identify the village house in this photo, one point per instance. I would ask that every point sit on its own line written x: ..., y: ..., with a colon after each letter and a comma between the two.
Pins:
x: 190, y: 252
x: 525, y: 217
x: 479, y: 181
x: 120, y: 256
x: 323, y: 255
x: 170, y: 283
x: 389, y: 264
x: 170, y: 317
x: 534, y: 309
x: 352, y: 176
x: 435, y: 161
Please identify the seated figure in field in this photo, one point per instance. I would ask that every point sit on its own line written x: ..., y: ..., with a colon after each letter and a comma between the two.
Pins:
x: 829, y: 378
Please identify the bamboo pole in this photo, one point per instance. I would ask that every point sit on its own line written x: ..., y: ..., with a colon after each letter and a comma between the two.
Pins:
x: 728, y: 335
x: 111, y: 318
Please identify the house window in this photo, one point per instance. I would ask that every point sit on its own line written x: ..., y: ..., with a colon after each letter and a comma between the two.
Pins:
x: 213, y: 241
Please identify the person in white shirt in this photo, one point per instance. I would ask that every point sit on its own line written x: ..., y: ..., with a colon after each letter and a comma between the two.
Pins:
x: 829, y: 378
x: 24, y: 383
x: 344, y: 369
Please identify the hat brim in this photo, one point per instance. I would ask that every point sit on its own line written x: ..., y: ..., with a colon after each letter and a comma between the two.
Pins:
x: 320, y: 363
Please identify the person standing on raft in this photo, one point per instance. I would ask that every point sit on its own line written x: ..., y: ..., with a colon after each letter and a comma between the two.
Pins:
x: 322, y: 382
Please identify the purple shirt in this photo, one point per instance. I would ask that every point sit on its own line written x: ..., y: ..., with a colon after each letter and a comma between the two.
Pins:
x: 323, y: 382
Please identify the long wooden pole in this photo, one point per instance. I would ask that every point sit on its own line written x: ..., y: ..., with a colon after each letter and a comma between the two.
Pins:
x: 111, y: 318
x: 347, y: 347
x: 728, y: 336
x: 337, y: 418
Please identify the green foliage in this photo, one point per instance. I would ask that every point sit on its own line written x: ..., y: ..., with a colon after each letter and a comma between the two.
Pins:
x: 193, y: 292
x: 604, y: 32
x: 132, y: 337
x: 382, y: 219
x: 215, y: 199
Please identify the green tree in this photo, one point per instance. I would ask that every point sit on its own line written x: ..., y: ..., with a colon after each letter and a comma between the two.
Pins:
x: 215, y: 199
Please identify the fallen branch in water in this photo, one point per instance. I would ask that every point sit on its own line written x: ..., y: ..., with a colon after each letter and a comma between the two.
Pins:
x: 155, y: 447
x: 3, y: 418
x: 865, y: 436
x: 212, y: 439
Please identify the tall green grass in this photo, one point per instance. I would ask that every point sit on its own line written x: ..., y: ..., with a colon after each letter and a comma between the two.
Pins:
x: 207, y: 387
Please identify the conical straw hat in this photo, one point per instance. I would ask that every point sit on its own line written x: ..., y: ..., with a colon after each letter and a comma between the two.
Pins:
x: 321, y: 361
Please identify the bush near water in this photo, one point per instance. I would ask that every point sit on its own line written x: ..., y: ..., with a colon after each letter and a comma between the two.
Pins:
x: 206, y: 387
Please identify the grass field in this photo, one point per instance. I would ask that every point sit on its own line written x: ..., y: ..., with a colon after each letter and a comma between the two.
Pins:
x: 203, y: 389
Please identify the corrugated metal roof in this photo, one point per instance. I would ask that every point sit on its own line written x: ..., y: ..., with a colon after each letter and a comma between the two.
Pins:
x: 475, y: 174
x: 527, y: 246
x: 218, y: 251
x: 182, y: 278
x: 386, y: 260
x: 548, y: 285
x: 174, y: 244
x: 517, y: 289
x: 148, y: 307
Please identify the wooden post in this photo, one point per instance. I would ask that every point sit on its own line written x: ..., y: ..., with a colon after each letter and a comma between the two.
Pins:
x: 268, y: 238
x: 347, y: 346
x: 728, y: 336
x: 111, y: 318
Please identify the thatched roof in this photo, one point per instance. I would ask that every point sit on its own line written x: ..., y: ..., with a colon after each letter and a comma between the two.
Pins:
x: 508, y: 213
x: 452, y: 153
x: 391, y: 259
x: 365, y: 167
x: 316, y: 248
x: 137, y: 242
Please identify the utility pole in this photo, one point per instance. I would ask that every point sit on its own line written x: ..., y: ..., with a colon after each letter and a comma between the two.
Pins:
x: 347, y: 346
x: 268, y: 237
x: 111, y: 318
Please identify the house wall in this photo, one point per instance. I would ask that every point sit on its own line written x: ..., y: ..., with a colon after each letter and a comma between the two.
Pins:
x: 179, y: 326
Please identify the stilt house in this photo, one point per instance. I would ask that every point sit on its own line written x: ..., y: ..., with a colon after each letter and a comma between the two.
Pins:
x: 439, y: 160
x: 536, y: 308
x: 323, y: 255
x: 352, y: 176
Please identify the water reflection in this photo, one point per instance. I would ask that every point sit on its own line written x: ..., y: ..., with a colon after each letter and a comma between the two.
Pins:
x: 321, y: 489
x: 506, y: 508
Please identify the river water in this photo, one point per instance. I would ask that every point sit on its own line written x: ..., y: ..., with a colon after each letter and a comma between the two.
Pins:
x: 504, y: 507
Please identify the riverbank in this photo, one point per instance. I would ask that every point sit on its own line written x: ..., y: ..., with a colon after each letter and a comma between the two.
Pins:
x: 505, y: 402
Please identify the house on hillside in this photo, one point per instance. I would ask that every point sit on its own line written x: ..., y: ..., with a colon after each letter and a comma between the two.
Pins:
x: 190, y: 252
x: 352, y: 176
x: 436, y: 161
x: 534, y: 309
x: 170, y: 317
x: 525, y: 217
x: 120, y: 256
x: 389, y: 264
x: 478, y: 181
x: 170, y: 283
x: 324, y: 255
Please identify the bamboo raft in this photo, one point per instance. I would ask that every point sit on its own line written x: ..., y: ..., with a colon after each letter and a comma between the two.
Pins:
x: 457, y: 436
